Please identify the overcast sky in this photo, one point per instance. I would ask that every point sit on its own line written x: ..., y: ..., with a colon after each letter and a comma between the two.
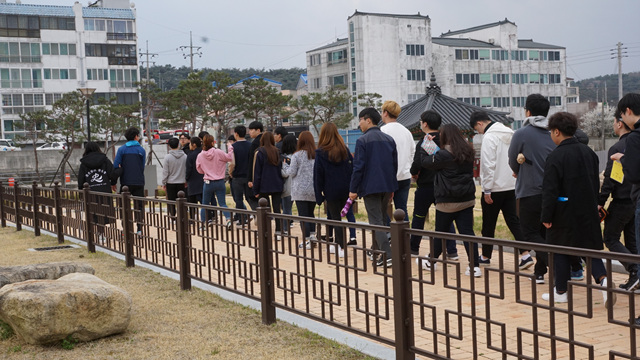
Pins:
x: 277, y: 33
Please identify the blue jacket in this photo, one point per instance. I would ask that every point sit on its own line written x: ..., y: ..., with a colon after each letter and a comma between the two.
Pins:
x: 130, y: 158
x: 375, y: 164
x: 330, y: 179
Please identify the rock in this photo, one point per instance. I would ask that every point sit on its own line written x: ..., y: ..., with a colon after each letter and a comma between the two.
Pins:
x: 52, y: 271
x: 78, y: 304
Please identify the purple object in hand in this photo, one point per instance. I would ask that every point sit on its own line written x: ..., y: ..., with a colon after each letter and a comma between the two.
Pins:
x: 346, y: 208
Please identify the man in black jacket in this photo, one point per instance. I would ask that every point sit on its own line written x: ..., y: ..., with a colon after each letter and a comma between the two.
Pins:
x: 621, y: 209
x: 255, y: 132
x: 423, y: 198
x: 195, y: 180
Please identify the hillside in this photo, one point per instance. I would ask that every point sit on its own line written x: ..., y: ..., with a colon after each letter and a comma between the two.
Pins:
x: 593, y: 89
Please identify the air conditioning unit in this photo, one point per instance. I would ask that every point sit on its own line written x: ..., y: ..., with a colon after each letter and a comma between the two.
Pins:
x: 492, y: 41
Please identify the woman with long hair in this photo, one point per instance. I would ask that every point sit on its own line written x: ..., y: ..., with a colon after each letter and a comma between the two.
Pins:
x: 97, y: 170
x: 212, y: 163
x: 267, y: 173
x: 289, y: 144
x: 332, y: 175
x: 454, y: 191
x: 301, y: 172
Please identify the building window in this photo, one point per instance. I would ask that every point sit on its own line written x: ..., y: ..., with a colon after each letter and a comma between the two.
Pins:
x: 467, y: 79
x: 534, y: 55
x: 555, y: 100
x: 501, y: 102
x: 554, y: 55
x: 485, y: 78
x: 413, y: 97
x: 485, y: 102
x: 554, y: 78
x: 519, y: 78
x: 519, y: 55
x: 415, y: 50
x: 473, y: 101
x: 337, y: 57
x: 351, y: 32
x: 500, y: 78
x: 519, y: 101
x: 314, y: 59
x: 534, y: 78
x: 484, y: 54
x: 499, y: 54
x: 416, y: 75
x: 315, y: 83
x: 338, y: 80
x: 20, y: 52
x: 464, y: 54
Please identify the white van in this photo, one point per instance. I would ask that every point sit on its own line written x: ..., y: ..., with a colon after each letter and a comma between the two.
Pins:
x: 8, y: 145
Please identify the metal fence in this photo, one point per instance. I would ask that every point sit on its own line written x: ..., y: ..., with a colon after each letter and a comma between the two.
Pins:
x: 437, y: 314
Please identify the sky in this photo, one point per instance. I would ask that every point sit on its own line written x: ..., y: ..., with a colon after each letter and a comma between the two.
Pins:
x: 277, y: 33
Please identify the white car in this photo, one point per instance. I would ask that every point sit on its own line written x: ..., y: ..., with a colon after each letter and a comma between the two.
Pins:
x: 8, y: 145
x: 52, y: 146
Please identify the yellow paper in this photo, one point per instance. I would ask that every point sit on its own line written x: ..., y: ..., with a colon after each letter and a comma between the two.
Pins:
x: 616, y: 172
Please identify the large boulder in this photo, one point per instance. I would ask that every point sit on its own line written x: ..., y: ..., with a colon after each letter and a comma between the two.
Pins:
x: 80, y: 305
x: 52, y: 271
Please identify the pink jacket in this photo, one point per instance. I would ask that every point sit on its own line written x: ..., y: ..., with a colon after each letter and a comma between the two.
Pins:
x: 213, y: 163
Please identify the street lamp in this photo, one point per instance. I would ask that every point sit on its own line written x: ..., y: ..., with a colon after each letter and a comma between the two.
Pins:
x: 87, y: 92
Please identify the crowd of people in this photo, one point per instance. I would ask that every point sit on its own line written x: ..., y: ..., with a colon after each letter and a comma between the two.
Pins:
x: 542, y: 177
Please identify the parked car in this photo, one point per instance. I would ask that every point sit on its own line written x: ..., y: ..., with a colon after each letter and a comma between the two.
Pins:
x: 8, y: 145
x: 52, y: 146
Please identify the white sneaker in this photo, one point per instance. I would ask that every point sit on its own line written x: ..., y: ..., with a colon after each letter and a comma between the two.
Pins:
x: 608, y: 301
x: 305, y: 245
x: 101, y: 239
x: 332, y: 249
x: 425, y: 264
x: 312, y: 237
x: 476, y: 271
x: 559, y: 298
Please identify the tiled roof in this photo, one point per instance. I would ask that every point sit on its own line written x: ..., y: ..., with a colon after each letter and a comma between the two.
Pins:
x: 303, y: 77
x: 338, y: 42
x: 416, y: 16
x: 456, y: 42
x: 106, y: 13
x: 476, y: 28
x: 258, y: 77
x: 36, y: 10
x: 530, y: 44
x: 452, y: 111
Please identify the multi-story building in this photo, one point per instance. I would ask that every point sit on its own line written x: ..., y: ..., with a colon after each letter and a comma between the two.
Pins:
x: 394, y: 55
x: 46, y: 51
x: 489, y: 66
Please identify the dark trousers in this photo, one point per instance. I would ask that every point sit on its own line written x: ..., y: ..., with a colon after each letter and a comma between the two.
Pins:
x: 136, y: 190
x: 376, y: 205
x: 529, y: 209
x: 563, y: 268
x: 621, y: 218
x: 464, y: 222
x: 334, y: 207
x: 275, y: 201
x: 194, y: 199
x: 241, y: 191
x: 504, y: 201
x: 423, y: 199
x: 172, y: 194
x: 306, y: 209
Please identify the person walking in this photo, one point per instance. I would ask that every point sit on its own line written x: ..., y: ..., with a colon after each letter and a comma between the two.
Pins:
x: 174, y: 173
x: 288, y: 147
x: 267, y: 175
x: 195, y: 180
x: 212, y: 163
x: 129, y: 163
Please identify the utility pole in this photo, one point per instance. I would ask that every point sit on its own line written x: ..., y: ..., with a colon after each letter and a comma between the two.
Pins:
x: 147, y: 122
x: 190, y: 54
x: 619, y: 55
x: 604, y: 126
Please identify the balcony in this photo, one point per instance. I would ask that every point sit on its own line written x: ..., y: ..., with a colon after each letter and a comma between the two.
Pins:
x: 121, y: 36
x: 20, y: 59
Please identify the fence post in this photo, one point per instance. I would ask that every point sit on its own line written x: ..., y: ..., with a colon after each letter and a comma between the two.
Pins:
x: 34, y: 205
x: 3, y: 221
x: 16, y: 204
x: 127, y: 226
x: 182, y: 235
x: 402, y: 291
x: 88, y: 217
x: 267, y: 292
x: 58, y: 204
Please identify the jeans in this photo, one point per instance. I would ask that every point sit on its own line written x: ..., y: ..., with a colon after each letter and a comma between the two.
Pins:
x: 306, y: 209
x: 217, y: 188
x: 352, y: 219
x: 287, y: 204
x: 423, y: 199
x: 464, y: 223
x: 621, y: 218
x: 376, y: 205
x: 529, y: 209
x: 562, y: 264
x: 400, y: 198
x: 505, y: 201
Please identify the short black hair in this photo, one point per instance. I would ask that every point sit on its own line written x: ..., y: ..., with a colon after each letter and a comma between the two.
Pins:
x: 630, y: 101
x: 241, y: 130
x: 371, y: 113
x: 196, y: 141
x: 289, y: 144
x: 477, y: 116
x: 186, y: 135
x: 537, y: 105
x: 131, y: 133
x: 432, y: 118
x: 231, y: 138
x: 256, y: 125
x: 202, y: 134
x: 566, y: 122
x: 173, y: 143
x: 281, y: 130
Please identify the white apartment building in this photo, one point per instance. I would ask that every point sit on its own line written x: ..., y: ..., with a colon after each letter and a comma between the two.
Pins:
x: 46, y: 51
x: 489, y: 66
x: 394, y: 55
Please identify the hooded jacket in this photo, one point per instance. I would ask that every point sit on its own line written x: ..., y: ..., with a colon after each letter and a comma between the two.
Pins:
x: 425, y: 176
x: 175, y: 167
x: 534, y: 142
x: 453, y: 182
x: 495, y: 173
x: 97, y: 170
x: 130, y: 158
x: 213, y: 163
